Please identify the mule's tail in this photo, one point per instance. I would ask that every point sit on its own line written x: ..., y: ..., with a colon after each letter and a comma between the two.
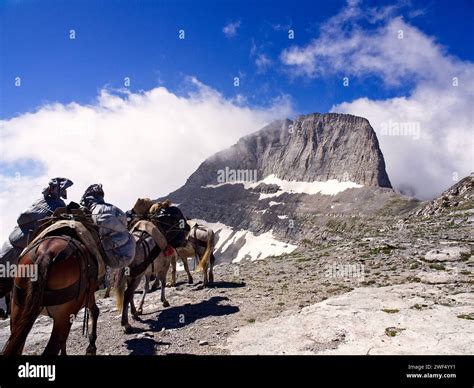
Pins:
x: 207, y: 253
x: 32, y: 307
x: 120, y: 281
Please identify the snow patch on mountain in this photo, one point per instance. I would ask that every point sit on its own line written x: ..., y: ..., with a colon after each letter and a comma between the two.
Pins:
x: 330, y: 187
x: 236, y: 245
x: 273, y: 203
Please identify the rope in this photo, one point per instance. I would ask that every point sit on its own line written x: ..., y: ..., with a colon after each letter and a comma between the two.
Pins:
x: 85, y: 322
x: 172, y: 227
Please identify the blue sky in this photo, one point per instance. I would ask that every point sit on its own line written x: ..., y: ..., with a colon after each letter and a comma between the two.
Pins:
x: 139, y: 39
x: 410, y: 64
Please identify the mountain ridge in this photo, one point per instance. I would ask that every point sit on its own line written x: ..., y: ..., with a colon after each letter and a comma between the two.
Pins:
x: 289, y: 181
x: 313, y: 147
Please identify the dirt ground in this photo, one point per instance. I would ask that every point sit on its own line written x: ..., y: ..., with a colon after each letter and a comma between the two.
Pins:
x: 200, y: 320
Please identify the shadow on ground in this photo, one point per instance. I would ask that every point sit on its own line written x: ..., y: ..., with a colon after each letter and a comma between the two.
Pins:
x: 181, y: 316
x: 143, y: 346
x: 227, y: 284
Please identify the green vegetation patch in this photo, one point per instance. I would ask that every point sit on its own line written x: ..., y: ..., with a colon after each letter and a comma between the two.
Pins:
x: 467, y: 316
x: 393, y: 331
x: 437, y: 266
x: 391, y: 311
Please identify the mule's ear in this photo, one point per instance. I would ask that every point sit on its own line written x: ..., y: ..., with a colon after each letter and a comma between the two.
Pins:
x: 166, y: 203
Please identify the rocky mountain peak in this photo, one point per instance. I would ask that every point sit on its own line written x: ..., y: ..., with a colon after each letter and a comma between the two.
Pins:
x: 312, y: 147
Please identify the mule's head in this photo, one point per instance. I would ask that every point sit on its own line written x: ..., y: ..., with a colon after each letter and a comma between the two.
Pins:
x: 173, y: 225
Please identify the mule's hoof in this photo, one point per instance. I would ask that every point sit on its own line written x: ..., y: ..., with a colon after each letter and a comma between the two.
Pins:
x: 166, y: 304
x: 135, y: 316
x: 200, y: 287
x: 91, y: 351
x: 139, y: 311
x: 127, y: 329
x: 190, y: 281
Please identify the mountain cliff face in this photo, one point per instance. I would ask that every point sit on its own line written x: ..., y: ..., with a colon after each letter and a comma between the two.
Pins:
x: 315, y: 147
x: 291, y: 180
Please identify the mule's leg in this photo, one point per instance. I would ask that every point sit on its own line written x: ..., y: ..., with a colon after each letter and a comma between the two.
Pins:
x: 205, y: 281
x: 133, y: 309
x: 63, y: 316
x: 94, y: 311
x: 16, y: 315
x: 186, y: 268
x: 173, y: 271
x: 107, y: 291
x: 128, y: 300
x: 147, y: 283
x: 111, y: 279
x: 61, y: 328
x: 211, y: 267
x: 142, y: 300
x: 134, y: 285
x: 155, y: 284
x: 163, y: 286
x: 8, y: 300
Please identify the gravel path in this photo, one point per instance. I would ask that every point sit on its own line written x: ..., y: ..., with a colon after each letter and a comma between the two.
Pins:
x: 207, y: 321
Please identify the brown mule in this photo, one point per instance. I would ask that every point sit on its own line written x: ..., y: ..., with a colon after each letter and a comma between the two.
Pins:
x: 170, y: 222
x: 66, y: 281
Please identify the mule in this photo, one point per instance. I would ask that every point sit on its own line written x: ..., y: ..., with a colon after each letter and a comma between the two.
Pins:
x: 65, y: 282
x: 171, y: 222
x: 200, y: 244
x: 155, y: 269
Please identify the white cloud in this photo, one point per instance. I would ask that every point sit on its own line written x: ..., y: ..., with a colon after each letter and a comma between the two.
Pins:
x: 136, y: 145
x: 428, y: 165
x: 378, y: 52
x: 262, y: 61
x: 441, y: 111
x: 230, y: 29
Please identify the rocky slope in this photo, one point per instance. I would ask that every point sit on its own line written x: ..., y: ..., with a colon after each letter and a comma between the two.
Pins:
x: 292, y: 180
x: 459, y: 197
x: 404, y: 287
x: 337, y: 266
